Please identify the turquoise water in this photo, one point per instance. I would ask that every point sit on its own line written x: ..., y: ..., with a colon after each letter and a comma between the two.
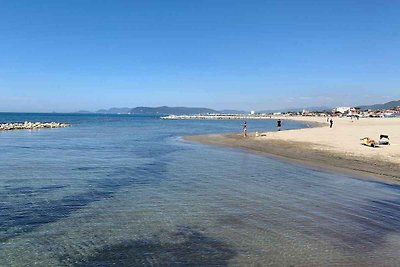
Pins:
x: 128, y: 191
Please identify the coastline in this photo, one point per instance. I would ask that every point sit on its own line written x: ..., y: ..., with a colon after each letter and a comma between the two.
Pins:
x: 336, y: 149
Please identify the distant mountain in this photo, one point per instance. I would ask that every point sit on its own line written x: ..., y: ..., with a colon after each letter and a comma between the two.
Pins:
x: 164, y: 110
x: 232, y: 111
x: 296, y: 109
x: 387, y: 105
x: 323, y: 108
x: 115, y: 111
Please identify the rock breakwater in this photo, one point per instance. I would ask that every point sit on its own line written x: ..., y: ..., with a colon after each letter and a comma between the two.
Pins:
x: 218, y: 117
x: 31, y: 125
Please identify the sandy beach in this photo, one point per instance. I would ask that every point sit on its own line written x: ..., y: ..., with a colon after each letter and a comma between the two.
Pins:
x: 336, y: 148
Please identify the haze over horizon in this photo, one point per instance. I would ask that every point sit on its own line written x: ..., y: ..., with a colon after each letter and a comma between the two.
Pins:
x: 75, y: 55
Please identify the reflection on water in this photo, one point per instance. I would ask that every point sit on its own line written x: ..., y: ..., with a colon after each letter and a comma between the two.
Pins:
x: 126, y: 191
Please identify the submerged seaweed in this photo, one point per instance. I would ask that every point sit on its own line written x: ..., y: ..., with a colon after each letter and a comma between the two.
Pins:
x: 184, y: 247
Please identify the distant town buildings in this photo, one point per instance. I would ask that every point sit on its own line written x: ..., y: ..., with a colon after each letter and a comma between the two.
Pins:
x: 341, y: 110
x: 347, y: 112
x: 336, y: 112
x: 371, y: 113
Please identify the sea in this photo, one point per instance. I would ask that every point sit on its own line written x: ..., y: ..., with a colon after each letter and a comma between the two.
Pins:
x: 125, y: 190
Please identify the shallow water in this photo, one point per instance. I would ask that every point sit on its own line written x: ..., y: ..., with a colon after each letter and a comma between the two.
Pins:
x: 128, y: 191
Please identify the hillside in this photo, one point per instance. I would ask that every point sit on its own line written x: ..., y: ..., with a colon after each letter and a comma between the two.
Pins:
x: 295, y: 109
x: 114, y: 111
x: 387, y: 105
x: 164, y: 110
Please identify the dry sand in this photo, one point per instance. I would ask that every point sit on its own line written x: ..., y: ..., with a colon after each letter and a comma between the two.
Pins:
x: 337, y: 148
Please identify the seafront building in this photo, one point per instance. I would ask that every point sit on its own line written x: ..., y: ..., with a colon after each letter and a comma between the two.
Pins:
x: 341, y: 110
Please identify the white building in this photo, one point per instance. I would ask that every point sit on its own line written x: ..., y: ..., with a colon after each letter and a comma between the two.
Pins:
x: 341, y: 109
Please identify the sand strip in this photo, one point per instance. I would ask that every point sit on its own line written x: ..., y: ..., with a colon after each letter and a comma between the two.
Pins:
x: 338, y: 148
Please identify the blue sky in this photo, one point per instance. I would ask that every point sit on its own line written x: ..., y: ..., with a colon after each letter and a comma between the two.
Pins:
x: 79, y: 54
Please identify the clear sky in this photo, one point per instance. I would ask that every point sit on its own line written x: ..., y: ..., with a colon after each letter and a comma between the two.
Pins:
x: 85, y: 55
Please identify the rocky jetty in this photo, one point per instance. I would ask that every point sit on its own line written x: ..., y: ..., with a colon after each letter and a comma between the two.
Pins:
x: 31, y: 125
x: 218, y: 117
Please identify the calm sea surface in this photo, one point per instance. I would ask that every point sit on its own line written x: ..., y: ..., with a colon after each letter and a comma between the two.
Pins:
x: 117, y: 190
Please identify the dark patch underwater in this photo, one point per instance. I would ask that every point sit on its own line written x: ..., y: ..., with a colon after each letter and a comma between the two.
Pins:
x: 185, y: 247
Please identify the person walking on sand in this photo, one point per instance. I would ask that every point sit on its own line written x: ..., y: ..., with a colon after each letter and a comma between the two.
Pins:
x: 331, y: 123
x: 244, y: 129
x: 279, y: 124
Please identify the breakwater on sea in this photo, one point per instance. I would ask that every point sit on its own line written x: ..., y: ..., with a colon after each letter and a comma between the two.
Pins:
x: 218, y: 117
x: 31, y: 125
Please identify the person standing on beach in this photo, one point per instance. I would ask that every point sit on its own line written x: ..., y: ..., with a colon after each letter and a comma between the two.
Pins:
x: 331, y: 123
x: 279, y: 124
x: 245, y: 129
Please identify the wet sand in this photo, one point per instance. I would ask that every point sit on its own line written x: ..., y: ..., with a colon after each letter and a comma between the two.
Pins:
x: 338, y: 148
